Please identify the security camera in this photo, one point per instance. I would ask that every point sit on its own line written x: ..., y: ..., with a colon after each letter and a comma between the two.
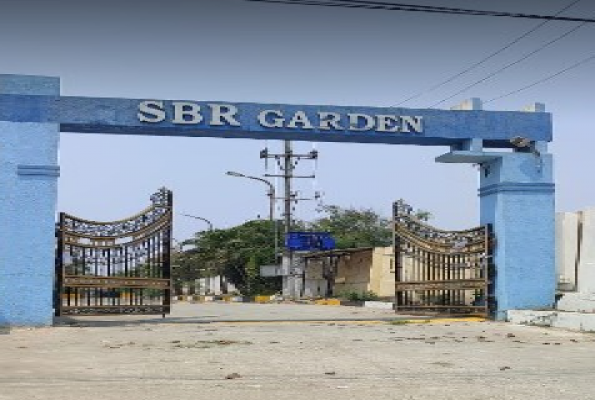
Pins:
x: 519, y: 141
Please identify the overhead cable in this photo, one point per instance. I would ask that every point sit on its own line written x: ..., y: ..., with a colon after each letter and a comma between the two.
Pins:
x: 543, y: 80
x: 517, y: 61
x: 377, y: 5
x: 485, y: 59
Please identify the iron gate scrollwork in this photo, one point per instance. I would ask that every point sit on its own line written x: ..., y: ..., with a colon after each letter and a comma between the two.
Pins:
x: 120, y: 267
x: 441, y: 272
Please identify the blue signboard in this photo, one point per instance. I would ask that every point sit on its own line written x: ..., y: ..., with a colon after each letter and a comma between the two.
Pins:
x: 309, y: 241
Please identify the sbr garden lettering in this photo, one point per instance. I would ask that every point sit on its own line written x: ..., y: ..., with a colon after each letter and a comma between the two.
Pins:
x: 214, y: 114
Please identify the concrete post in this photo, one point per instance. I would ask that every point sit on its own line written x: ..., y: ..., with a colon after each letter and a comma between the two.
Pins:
x: 517, y: 198
x: 28, y: 194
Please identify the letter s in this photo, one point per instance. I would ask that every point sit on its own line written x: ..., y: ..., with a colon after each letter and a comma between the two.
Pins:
x: 151, y: 111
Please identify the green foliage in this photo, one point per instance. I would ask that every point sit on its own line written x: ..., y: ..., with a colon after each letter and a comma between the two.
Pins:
x: 363, y: 227
x: 358, y: 296
x: 236, y: 253
x: 400, y: 322
x: 353, y: 227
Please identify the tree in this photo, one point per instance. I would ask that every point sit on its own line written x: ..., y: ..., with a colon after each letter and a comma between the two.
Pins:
x: 186, y: 267
x: 353, y: 227
x: 236, y: 253
x: 363, y: 227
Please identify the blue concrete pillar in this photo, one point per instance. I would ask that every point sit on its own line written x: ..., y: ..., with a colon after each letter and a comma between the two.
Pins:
x: 517, y: 198
x: 28, y: 193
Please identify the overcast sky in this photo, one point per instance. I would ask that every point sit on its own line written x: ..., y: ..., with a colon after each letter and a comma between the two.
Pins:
x: 231, y: 50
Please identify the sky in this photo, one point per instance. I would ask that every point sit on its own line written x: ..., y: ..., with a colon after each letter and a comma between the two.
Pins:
x: 237, y: 51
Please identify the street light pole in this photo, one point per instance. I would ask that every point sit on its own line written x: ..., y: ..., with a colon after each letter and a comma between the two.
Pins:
x: 200, y: 218
x: 272, y: 198
x: 271, y: 193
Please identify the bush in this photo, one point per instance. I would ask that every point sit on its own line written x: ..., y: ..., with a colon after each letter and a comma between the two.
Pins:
x: 357, y: 296
x: 351, y: 296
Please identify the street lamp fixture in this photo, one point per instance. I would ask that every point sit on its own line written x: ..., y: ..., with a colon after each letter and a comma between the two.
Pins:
x: 271, y: 193
x: 272, y: 199
x: 233, y: 173
x: 200, y: 218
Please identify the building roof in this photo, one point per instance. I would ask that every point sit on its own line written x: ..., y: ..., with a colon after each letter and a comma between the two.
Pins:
x: 336, y: 252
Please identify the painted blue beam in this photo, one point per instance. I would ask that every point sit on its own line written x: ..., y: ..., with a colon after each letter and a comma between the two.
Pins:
x: 438, y: 127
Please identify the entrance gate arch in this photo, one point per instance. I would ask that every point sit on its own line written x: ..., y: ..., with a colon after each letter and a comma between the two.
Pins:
x: 516, y: 188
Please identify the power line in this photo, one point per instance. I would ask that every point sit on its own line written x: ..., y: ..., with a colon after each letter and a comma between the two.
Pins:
x: 377, y: 5
x: 525, y: 57
x: 485, y: 59
x: 543, y: 80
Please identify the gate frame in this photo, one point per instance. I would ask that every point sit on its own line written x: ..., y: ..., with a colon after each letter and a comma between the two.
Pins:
x: 153, y: 220
x: 401, y: 210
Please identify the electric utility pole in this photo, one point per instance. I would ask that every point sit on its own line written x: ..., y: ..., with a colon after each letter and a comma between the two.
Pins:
x: 287, y: 162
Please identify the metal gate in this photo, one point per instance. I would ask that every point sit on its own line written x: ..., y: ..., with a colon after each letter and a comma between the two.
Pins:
x: 441, y: 272
x: 120, y: 267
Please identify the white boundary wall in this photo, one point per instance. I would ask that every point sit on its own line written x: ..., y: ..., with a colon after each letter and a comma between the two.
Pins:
x: 575, y: 260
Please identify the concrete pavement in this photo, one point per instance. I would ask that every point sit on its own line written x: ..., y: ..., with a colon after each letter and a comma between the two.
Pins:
x: 199, y: 354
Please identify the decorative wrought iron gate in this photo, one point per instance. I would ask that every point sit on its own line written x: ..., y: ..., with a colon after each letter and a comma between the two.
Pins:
x: 441, y: 272
x: 120, y: 267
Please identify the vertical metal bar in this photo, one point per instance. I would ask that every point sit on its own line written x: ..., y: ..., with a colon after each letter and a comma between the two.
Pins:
x: 158, y: 252
x: 445, y: 278
x: 418, y: 276
x: 158, y: 243
x: 437, y: 273
x: 453, y: 267
x: 126, y: 271
x: 488, y: 252
x: 140, y: 264
x: 128, y: 291
x: 59, y: 267
x: 93, y: 252
x: 450, y: 273
x: 457, y: 268
x: 432, y: 274
x: 149, y: 267
x: 397, y: 254
x: 163, y: 243
x: 461, y: 275
x: 89, y: 291
x: 427, y: 293
x: 152, y: 246
x: 167, y: 255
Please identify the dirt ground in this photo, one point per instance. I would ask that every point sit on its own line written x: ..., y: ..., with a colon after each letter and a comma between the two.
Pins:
x: 249, y: 351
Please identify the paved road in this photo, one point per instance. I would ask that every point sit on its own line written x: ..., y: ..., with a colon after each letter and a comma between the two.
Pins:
x: 143, y: 358
x: 235, y: 312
